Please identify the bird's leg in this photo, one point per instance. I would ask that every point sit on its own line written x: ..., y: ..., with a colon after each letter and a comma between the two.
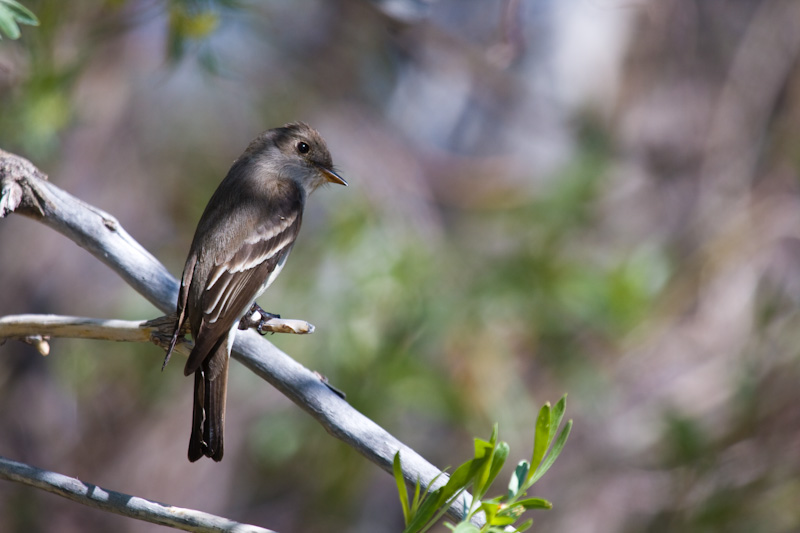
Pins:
x: 249, y: 320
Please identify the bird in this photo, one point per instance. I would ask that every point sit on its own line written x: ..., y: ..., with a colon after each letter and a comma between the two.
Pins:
x: 241, y: 244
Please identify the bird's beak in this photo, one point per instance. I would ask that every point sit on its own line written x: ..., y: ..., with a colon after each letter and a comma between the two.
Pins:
x: 332, y: 176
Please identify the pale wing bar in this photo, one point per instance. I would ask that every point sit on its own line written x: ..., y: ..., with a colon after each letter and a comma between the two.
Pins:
x: 227, y: 280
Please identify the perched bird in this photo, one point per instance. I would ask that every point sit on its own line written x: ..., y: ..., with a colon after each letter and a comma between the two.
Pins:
x: 240, y: 246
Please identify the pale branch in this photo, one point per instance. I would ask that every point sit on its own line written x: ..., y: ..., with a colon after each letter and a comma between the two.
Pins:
x: 12, y: 326
x: 35, y: 329
x: 25, y: 190
x: 119, y: 503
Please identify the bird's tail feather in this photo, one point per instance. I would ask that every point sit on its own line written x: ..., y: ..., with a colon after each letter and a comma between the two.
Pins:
x: 208, y: 416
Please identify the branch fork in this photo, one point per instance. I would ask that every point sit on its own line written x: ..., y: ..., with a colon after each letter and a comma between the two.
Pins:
x: 26, y: 191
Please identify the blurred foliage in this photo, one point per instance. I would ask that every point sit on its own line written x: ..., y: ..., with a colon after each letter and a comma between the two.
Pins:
x: 566, y: 197
x: 191, y: 24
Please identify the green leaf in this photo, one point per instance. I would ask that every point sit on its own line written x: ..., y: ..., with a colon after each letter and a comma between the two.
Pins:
x: 443, y: 496
x: 7, y: 23
x: 425, y: 507
x: 482, y: 448
x: 495, y: 432
x: 553, y: 455
x: 557, y: 414
x: 493, y: 518
x: 484, y: 452
x: 490, y: 510
x: 518, y: 478
x: 525, y: 525
x: 498, y: 460
x: 416, y: 500
x: 466, y: 527
x: 541, y: 439
x: 424, y: 513
x: 22, y: 14
x: 443, y: 509
x: 462, y: 477
x: 535, y: 503
x: 401, y: 487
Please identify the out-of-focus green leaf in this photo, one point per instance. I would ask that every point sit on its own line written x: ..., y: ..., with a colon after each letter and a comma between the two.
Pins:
x: 425, y: 512
x: 482, y: 448
x: 485, y: 451
x: 535, y: 503
x: 401, y: 487
x: 22, y: 14
x: 441, y: 498
x: 498, y: 460
x: 554, y: 453
x: 416, y: 500
x: 518, y: 478
x: 525, y: 525
x: 464, y: 527
x: 190, y: 25
x: 542, y: 437
x: 187, y: 24
x: 685, y: 439
x: 7, y: 23
x: 493, y: 517
x: 556, y: 416
x: 462, y: 477
x: 12, y: 14
x: 490, y: 510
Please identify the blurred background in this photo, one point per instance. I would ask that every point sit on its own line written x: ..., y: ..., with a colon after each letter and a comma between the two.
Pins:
x: 592, y: 197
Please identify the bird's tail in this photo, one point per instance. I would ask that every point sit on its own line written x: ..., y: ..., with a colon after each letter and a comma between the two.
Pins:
x: 208, y: 415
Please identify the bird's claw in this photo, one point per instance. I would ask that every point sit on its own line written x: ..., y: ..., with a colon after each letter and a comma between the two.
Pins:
x: 260, y: 323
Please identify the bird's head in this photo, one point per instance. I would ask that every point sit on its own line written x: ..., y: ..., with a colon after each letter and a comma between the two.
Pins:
x: 297, y: 151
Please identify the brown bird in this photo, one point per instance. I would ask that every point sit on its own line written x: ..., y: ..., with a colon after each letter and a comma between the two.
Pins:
x: 240, y: 246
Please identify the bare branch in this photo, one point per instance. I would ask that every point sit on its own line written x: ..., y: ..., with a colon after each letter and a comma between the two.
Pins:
x: 13, y: 326
x: 119, y: 503
x: 25, y: 190
x: 35, y: 329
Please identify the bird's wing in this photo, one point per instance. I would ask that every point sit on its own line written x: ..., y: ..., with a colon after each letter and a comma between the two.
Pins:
x: 183, y: 296
x: 237, y: 278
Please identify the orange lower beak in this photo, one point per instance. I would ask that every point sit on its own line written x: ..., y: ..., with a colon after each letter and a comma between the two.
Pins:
x: 332, y: 176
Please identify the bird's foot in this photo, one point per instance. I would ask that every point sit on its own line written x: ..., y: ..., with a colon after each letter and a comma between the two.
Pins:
x: 256, y: 317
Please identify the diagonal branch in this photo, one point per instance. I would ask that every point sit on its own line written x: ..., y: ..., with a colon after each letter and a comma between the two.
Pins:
x: 25, y: 190
x: 119, y: 503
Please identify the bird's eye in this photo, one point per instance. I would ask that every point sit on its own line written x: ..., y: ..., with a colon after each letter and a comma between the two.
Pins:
x: 303, y: 148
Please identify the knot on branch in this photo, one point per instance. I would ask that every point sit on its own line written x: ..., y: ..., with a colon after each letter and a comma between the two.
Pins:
x: 18, y: 189
x: 161, y: 329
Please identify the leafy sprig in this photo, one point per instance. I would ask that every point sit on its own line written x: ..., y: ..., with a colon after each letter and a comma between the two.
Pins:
x: 424, y: 509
